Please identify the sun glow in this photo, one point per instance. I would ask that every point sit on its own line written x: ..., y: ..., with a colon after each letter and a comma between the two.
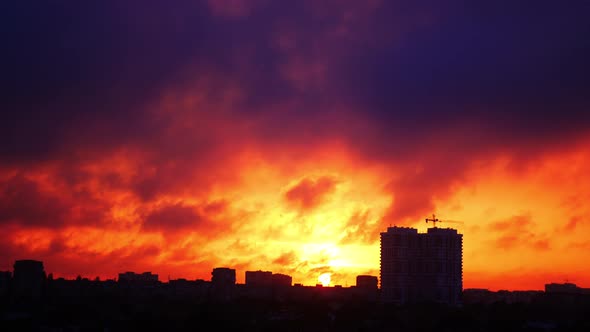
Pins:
x: 325, y: 279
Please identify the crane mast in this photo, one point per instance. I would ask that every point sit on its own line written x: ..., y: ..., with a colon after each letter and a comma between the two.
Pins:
x: 433, y: 219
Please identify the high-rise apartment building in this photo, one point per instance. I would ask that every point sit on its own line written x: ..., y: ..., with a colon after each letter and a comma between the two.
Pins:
x: 421, y: 267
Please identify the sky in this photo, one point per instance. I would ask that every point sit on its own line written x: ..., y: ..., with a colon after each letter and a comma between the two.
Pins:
x: 176, y: 137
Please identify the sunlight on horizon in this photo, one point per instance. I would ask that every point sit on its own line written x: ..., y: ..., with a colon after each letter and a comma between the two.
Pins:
x: 325, y: 279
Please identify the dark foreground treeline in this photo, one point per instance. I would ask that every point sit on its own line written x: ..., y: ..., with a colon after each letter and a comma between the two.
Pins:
x: 88, y: 307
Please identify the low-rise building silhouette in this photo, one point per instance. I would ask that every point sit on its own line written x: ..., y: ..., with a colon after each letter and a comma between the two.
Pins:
x: 258, y: 278
x: 28, y: 279
x: 140, y: 278
x: 367, y: 282
x: 486, y: 296
x: 95, y: 304
x: 223, y: 276
x: 367, y: 288
x: 5, y: 282
x: 281, y: 280
x: 565, y: 288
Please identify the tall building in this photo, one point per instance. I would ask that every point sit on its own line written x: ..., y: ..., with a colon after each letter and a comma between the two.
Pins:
x: 421, y: 267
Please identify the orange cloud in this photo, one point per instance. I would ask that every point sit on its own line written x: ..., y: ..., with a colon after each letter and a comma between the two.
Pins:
x: 518, y: 231
x: 308, y: 193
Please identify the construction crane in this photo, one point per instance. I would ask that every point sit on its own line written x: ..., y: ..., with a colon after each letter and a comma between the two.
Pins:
x: 434, y: 220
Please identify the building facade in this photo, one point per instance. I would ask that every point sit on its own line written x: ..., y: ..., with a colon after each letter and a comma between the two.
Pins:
x: 421, y: 267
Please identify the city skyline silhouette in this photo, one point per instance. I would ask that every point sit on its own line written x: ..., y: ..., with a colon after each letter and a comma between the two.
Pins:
x: 403, y: 251
x: 419, y: 287
x: 287, y: 136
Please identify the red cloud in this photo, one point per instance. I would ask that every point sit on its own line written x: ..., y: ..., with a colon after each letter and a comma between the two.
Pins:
x: 423, y: 180
x: 177, y: 216
x: 184, y: 217
x: 308, y: 193
x: 25, y: 201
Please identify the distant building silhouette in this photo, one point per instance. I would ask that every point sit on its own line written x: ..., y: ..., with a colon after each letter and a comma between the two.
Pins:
x: 367, y: 288
x: 223, y: 276
x: 28, y: 279
x: 421, y: 267
x: 267, y: 279
x: 5, y: 282
x: 367, y: 282
x: 137, y: 277
x: 281, y: 280
x: 223, y: 284
x: 485, y: 296
x: 259, y: 278
x: 565, y: 288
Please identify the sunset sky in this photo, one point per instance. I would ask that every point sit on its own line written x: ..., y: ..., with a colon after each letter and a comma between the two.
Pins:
x: 179, y: 136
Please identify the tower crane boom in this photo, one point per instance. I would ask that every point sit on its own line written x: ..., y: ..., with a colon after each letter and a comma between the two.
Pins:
x: 434, y: 220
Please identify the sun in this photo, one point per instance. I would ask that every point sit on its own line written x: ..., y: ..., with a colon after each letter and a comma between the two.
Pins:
x: 324, y: 279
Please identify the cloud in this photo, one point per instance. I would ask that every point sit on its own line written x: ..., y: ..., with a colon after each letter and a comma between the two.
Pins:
x: 173, y: 216
x: 309, y: 193
x: 181, y: 217
x: 23, y: 201
x: 28, y: 202
x: 572, y: 223
x: 360, y: 228
x: 286, y: 259
x: 518, y: 232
